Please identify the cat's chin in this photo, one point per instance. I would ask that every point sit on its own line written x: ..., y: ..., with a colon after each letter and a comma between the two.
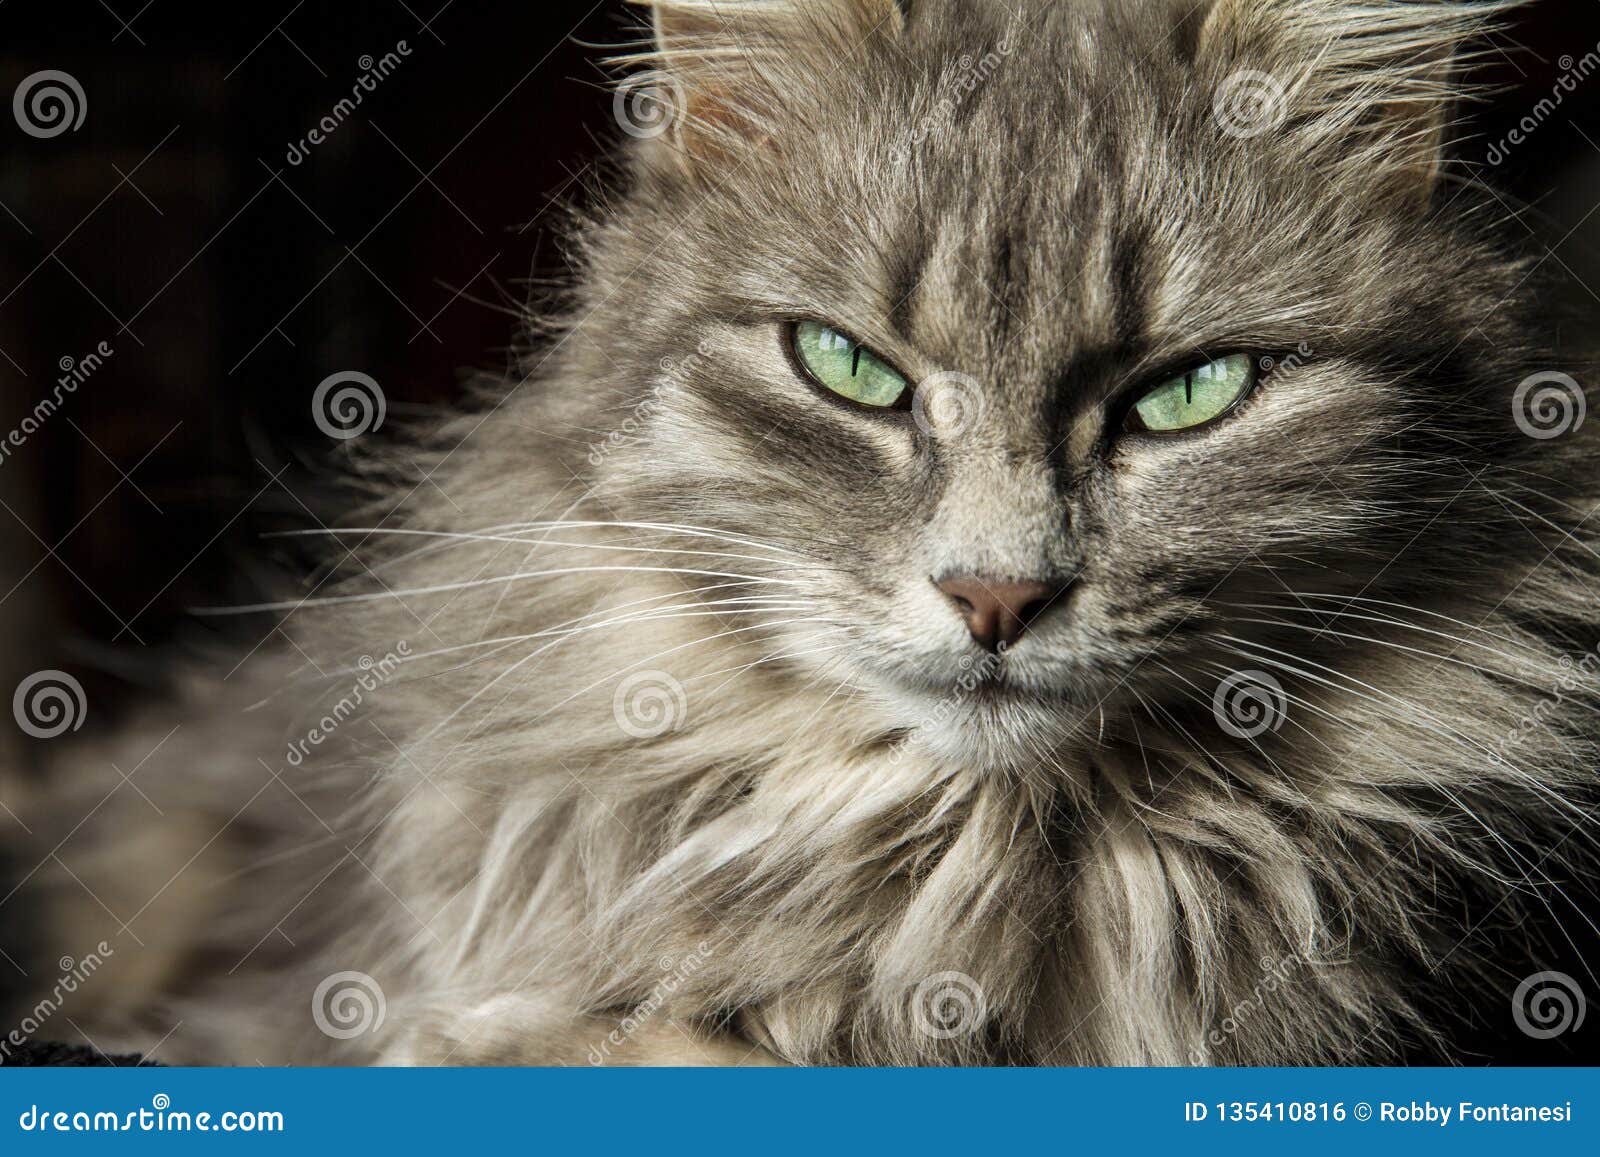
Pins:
x: 990, y: 728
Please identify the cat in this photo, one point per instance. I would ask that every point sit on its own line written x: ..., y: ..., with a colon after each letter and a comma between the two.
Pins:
x: 1046, y: 533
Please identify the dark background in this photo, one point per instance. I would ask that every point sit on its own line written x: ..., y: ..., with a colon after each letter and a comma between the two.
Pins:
x: 229, y: 282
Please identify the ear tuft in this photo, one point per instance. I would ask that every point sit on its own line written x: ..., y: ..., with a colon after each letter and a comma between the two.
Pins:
x: 1370, y: 86
x: 723, y: 72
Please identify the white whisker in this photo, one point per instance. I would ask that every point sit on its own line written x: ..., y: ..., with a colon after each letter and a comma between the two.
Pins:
x: 417, y: 592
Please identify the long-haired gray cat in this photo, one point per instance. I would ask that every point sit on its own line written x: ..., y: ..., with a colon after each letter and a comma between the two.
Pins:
x: 1047, y: 532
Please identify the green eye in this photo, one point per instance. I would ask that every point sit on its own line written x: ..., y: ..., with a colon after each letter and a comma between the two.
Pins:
x: 1199, y: 396
x: 847, y: 367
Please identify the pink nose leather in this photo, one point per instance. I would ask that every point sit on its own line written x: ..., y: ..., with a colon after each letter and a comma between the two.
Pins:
x: 997, y: 610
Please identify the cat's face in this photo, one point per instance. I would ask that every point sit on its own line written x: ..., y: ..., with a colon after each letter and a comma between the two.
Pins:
x: 1035, y: 221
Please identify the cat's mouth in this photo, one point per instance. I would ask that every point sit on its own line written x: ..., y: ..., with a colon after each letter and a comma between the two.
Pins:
x: 993, y: 709
x: 993, y: 720
x: 979, y: 678
x: 979, y: 687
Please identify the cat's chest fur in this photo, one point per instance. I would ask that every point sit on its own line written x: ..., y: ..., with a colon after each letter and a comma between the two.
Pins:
x: 775, y: 857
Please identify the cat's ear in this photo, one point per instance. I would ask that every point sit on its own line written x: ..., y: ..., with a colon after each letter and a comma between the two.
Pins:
x: 725, y: 70
x: 1367, y: 88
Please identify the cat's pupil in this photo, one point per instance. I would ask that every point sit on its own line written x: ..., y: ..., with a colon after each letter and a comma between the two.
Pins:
x: 1188, y: 388
x: 855, y: 362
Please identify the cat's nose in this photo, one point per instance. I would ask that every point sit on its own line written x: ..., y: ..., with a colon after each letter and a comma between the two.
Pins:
x: 998, y: 610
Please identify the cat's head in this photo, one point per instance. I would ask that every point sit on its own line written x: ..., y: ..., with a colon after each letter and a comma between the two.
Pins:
x: 1095, y: 335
